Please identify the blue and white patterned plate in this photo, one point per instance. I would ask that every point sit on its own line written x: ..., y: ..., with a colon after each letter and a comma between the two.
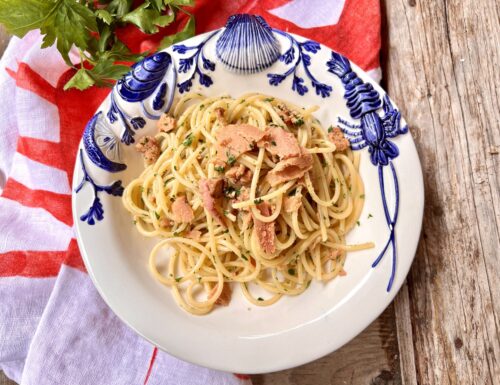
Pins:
x: 249, y: 56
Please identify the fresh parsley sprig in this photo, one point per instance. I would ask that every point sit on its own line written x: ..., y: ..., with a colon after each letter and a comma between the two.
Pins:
x: 89, y: 25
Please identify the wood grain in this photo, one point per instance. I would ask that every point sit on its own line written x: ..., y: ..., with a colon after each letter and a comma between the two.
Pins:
x: 370, y: 359
x: 4, y: 380
x: 442, y: 70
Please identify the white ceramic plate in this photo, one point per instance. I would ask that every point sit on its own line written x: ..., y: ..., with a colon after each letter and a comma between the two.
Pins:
x: 241, y: 337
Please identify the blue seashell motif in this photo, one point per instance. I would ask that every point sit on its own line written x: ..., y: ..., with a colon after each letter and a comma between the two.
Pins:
x: 374, y: 131
x: 149, y: 77
x: 247, y: 44
x: 145, y: 76
x: 96, y: 211
x: 295, y: 55
x: 101, y: 145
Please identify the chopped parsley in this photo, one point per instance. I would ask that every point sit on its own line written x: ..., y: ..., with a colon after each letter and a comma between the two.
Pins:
x: 168, y: 180
x: 219, y: 168
x: 242, y: 101
x: 177, y: 279
x: 175, y: 168
x: 225, y: 232
x: 362, y: 196
x: 243, y: 256
x: 188, y: 141
x: 273, y: 142
x: 232, y: 192
x: 202, y: 106
x: 199, y: 279
x: 157, y: 215
x: 291, y: 271
x: 330, y: 129
x: 230, y: 158
x: 308, y: 284
x: 260, y: 299
x: 176, y: 233
x: 298, y: 122
x: 268, y: 99
x: 370, y: 216
x: 358, y: 223
x: 257, y: 201
x: 134, y: 222
x: 226, y: 213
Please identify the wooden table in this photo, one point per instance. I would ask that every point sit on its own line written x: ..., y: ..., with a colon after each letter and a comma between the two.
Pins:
x: 441, y: 61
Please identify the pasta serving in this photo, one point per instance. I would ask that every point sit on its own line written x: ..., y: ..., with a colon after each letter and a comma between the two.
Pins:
x: 249, y: 190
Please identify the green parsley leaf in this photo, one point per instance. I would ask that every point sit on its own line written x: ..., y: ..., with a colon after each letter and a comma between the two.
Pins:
x: 291, y: 271
x: 370, y: 216
x: 188, y: 141
x: 268, y: 99
x: 298, y: 122
x: 104, y: 15
x: 147, y: 19
x: 243, y: 256
x: 260, y: 299
x: 358, y: 223
x: 80, y: 80
x: 90, y: 27
x: 273, y: 142
x: 177, y: 279
x: 230, y: 158
x: 157, y: 215
x: 180, y: 3
x: 219, y: 168
x: 330, y: 129
x: 184, y: 34
x: 257, y: 201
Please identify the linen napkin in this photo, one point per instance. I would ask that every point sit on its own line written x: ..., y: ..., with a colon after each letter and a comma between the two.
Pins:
x: 54, y: 327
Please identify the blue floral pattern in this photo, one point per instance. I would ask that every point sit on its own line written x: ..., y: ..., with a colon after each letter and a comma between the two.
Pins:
x: 96, y: 211
x: 373, y: 132
x: 295, y: 55
x: 196, y: 61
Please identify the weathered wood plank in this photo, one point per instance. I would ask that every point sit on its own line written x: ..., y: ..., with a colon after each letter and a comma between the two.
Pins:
x: 442, y: 70
x: 4, y: 380
x: 370, y: 359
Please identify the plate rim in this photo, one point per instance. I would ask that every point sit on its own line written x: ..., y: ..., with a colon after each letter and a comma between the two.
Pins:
x: 328, y: 348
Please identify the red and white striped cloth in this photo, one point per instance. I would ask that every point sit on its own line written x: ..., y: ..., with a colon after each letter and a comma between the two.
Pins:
x: 54, y: 327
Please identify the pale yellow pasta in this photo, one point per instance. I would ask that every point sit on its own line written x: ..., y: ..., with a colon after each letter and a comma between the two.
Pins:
x: 310, y: 241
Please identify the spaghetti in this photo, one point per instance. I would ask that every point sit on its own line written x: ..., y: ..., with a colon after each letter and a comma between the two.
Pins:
x: 271, y: 216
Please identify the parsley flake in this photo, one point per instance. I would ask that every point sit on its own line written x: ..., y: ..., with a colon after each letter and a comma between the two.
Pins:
x: 230, y: 158
x: 257, y: 201
x: 188, y: 141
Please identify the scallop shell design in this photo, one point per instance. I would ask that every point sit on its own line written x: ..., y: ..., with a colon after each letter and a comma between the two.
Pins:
x: 247, y: 44
x: 144, y: 77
